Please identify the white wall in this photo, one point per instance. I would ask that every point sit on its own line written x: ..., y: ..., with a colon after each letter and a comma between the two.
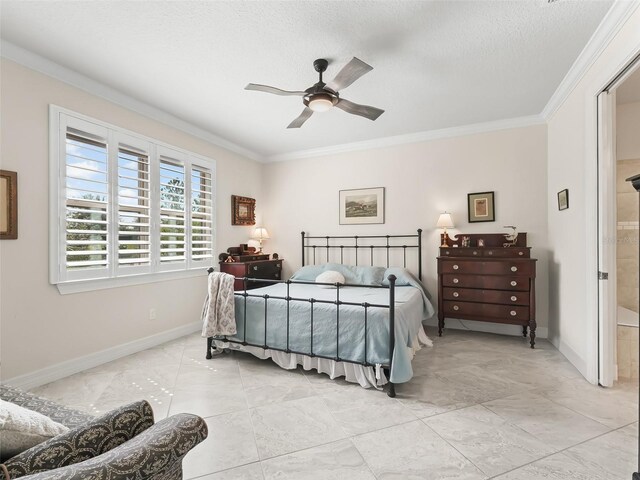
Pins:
x: 40, y: 327
x: 421, y: 180
x: 572, y: 158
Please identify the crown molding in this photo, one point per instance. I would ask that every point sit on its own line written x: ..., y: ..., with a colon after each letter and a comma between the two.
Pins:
x: 429, y: 135
x: 40, y: 64
x: 610, y: 25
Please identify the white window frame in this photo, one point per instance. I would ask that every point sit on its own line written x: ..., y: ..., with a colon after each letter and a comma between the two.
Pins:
x: 118, y: 275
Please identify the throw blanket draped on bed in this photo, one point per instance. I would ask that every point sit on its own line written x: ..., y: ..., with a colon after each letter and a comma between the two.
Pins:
x: 218, y: 312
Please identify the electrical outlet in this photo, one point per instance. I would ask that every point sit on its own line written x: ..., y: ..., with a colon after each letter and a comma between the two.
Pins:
x: 152, y: 314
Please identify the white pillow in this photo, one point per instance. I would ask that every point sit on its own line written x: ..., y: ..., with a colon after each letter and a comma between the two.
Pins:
x: 330, y: 276
x: 21, y: 429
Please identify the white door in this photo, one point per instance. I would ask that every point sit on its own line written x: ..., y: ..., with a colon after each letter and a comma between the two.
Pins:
x: 607, y: 238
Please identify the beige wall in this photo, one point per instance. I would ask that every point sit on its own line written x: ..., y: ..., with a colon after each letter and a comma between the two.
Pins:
x: 628, y: 131
x: 572, y: 164
x: 421, y: 181
x: 40, y: 327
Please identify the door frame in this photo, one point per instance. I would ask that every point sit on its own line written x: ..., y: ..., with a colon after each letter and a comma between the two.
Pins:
x: 606, y: 231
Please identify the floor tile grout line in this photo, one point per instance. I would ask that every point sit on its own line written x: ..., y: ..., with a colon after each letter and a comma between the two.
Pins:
x: 563, y: 450
x: 454, y: 447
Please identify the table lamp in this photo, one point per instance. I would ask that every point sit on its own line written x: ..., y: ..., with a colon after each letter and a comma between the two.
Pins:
x: 444, y: 222
x: 261, y: 234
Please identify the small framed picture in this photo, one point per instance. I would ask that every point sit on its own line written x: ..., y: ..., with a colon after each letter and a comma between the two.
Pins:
x: 8, y: 205
x: 563, y: 199
x: 480, y: 242
x: 365, y: 205
x: 243, y: 210
x: 481, y: 207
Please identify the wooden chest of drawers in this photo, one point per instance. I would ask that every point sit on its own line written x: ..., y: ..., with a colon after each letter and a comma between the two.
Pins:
x: 494, y: 284
x: 263, y: 269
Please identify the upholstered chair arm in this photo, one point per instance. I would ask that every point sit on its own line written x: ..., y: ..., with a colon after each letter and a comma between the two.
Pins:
x: 156, y: 454
x: 83, y: 442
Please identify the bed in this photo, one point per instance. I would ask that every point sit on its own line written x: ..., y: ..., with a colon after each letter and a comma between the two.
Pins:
x: 366, y: 330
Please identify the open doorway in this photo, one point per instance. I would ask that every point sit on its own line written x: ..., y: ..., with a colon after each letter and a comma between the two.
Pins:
x: 619, y: 159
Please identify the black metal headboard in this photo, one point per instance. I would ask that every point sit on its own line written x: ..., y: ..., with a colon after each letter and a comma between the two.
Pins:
x: 312, y: 244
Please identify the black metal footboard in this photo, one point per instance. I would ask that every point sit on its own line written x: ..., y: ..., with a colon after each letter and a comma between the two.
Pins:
x: 312, y: 301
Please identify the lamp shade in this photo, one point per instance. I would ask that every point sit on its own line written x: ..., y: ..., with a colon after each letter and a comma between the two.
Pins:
x: 261, y: 233
x: 445, y: 221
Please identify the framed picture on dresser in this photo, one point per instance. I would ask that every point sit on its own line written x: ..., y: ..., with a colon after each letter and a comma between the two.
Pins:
x: 481, y: 207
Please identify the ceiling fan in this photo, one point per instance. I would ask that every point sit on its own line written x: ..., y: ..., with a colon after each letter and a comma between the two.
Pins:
x: 322, y: 96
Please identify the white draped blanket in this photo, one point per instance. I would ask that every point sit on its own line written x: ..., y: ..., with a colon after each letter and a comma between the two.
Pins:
x: 218, y: 312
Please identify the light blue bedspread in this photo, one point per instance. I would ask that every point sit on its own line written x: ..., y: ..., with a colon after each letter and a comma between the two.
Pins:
x: 412, y: 306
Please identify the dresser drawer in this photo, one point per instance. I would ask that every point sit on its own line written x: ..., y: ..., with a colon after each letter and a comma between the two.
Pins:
x: 452, y: 308
x: 508, y: 267
x: 486, y: 282
x: 505, y: 312
x: 498, y: 267
x: 485, y: 296
x: 265, y: 269
x: 508, y: 252
x: 461, y: 252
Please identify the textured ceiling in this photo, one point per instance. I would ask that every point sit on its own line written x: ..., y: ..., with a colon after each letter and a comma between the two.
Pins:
x: 437, y: 64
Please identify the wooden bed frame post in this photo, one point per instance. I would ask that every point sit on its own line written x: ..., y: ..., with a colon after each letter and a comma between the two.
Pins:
x: 392, y: 330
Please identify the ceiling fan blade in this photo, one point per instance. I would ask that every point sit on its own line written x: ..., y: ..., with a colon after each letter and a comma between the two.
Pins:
x: 372, y: 113
x: 349, y: 74
x: 274, y: 90
x: 303, y: 117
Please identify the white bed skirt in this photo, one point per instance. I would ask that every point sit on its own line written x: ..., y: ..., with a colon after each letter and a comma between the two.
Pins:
x: 367, y: 377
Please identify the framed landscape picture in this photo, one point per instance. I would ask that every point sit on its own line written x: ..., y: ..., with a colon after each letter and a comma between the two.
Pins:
x: 362, y: 206
x: 481, y: 207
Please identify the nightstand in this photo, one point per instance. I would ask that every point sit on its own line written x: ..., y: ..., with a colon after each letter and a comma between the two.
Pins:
x: 263, y: 269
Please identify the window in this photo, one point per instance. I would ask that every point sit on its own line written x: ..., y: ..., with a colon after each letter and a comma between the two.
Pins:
x: 124, y: 206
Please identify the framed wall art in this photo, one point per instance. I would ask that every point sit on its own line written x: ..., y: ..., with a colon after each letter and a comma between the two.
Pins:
x: 563, y: 199
x: 362, y: 206
x: 481, y: 207
x: 8, y: 205
x: 243, y: 210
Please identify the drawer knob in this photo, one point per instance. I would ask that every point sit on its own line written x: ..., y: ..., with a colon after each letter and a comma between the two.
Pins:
x: 513, y: 283
x: 520, y: 253
x: 475, y: 252
x: 277, y: 275
x: 456, y: 267
x: 513, y: 313
x: 514, y: 269
x: 255, y: 267
x: 513, y: 298
x: 456, y: 294
x: 456, y: 307
x: 446, y: 253
x: 490, y: 253
x: 455, y: 280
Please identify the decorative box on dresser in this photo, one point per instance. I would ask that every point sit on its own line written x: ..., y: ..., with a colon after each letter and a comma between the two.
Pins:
x: 492, y: 283
x: 253, y: 266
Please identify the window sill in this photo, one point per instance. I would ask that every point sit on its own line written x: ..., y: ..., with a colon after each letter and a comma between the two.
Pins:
x: 78, y: 286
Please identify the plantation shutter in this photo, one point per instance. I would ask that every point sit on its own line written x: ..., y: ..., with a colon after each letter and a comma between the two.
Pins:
x: 173, y: 231
x: 134, y: 209
x: 85, y: 237
x: 201, y: 214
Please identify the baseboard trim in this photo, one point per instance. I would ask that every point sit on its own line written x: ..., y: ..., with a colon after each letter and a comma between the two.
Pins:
x: 69, y: 367
x: 497, y: 328
x: 576, y: 360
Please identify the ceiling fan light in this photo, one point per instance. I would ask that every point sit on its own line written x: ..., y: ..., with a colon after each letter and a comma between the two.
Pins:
x: 320, y: 103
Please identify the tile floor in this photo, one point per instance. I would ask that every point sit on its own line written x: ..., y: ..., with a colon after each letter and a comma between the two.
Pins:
x: 480, y: 406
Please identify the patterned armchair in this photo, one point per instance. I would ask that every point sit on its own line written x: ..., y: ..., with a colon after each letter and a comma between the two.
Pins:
x: 122, y: 444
